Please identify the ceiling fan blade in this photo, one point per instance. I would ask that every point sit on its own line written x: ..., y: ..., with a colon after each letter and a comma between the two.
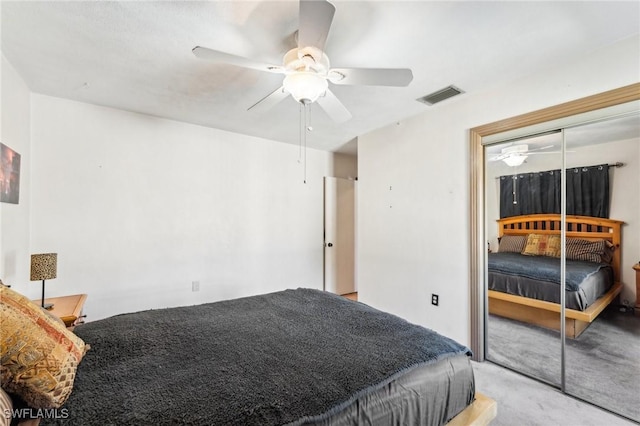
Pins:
x: 371, y: 76
x: 499, y: 157
x: 548, y: 152
x: 269, y: 101
x: 240, y: 61
x: 314, y: 24
x: 333, y: 107
x: 540, y: 148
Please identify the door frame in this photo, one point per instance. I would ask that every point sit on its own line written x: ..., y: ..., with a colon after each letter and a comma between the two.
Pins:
x: 477, y: 287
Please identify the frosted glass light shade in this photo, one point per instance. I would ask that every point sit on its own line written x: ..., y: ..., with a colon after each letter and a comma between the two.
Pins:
x: 305, y: 87
x: 515, y: 160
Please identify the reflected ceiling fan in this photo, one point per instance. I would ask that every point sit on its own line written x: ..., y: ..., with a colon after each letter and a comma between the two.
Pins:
x: 306, y: 67
x: 515, y: 155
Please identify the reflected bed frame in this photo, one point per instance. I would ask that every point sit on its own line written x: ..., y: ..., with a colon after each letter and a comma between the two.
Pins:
x: 547, y: 314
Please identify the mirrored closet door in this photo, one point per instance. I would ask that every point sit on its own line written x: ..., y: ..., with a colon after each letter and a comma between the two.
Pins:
x: 523, y: 204
x: 562, y: 229
x: 603, y: 181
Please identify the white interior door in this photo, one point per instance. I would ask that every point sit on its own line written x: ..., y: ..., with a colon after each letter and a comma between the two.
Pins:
x: 339, y: 235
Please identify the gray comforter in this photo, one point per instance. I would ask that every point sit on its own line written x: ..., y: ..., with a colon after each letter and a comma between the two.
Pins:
x: 283, y: 357
x: 538, y: 277
x: 545, y: 268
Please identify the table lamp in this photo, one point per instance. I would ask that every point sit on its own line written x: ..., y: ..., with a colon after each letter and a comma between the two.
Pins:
x: 44, y: 267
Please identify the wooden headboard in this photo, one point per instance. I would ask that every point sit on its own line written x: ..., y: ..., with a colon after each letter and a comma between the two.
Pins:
x: 585, y: 227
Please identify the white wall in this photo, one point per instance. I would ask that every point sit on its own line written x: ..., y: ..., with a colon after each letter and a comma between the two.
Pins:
x: 14, y: 218
x: 414, y: 188
x: 345, y: 166
x: 139, y: 207
x: 623, y: 182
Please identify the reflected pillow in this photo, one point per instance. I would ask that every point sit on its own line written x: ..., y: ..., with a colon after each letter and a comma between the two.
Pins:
x: 553, y: 248
x: 542, y: 245
x: 597, y: 251
x: 512, y: 243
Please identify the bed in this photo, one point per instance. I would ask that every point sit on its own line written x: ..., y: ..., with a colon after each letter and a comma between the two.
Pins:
x: 292, y: 357
x: 526, y: 287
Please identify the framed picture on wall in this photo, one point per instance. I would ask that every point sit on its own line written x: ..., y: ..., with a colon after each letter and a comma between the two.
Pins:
x: 9, y: 175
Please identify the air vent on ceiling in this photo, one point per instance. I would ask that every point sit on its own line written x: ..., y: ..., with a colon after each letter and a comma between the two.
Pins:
x: 440, y: 95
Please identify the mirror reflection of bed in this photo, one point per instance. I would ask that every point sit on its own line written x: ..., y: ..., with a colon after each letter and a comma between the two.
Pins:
x: 524, y: 286
x: 523, y: 325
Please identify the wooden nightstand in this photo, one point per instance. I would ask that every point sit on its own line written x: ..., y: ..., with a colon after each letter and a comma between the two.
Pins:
x: 67, y: 308
x: 637, y: 268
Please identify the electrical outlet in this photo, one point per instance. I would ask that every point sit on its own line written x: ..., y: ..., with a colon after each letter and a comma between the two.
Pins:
x: 434, y: 299
x: 195, y: 285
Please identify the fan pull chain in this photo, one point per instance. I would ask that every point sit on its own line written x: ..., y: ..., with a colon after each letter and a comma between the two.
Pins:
x: 300, y: 135
x: 304, y: 130
x: 305, y: 119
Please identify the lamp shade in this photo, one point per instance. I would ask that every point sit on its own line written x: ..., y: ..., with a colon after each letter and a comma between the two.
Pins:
x: 44, y: 266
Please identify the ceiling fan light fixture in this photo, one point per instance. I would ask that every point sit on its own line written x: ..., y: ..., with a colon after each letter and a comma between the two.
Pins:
x: 515, y: 160
x: 306, y: 67
x: 305, y: 87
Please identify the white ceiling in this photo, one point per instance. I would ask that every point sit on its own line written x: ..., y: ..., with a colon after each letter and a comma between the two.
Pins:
x: 136, y: 55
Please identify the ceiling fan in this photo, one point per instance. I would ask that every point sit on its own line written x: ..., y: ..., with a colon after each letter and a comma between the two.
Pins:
x: 515, y: 155
x: 306, y: 67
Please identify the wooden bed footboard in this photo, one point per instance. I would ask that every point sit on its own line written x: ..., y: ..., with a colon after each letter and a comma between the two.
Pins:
x: 547, y: 314
x: 480, y: 413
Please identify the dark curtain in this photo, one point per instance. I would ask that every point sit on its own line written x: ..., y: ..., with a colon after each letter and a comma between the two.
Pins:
x: 539, y: 192
x: 588, y: 191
